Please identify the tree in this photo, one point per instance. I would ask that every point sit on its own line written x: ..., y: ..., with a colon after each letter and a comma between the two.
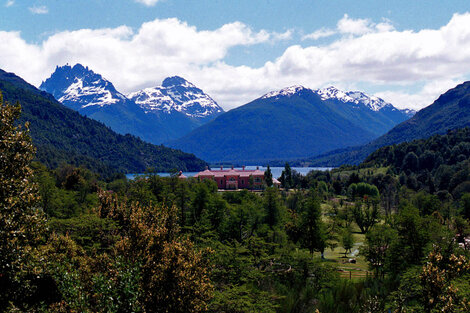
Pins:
x: 200, y: 201
x: 174, y: 275
x: 465, y: 204
x: 347, y: 241
x: 271, y: 206
x: 22, y: 225
x: 366, y: 214
x: 286, y: 177
x: 378, y: 241
x: 268, y: 177
x: 438, y: 291
x: 410, y: 162
x: 313, y: 236
x: 182, y: 199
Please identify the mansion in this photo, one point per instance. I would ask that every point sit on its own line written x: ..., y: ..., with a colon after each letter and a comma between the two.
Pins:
x: 235, y: 178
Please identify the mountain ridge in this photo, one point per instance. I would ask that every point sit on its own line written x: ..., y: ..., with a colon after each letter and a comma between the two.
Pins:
x: 292, y: 112
x: 92, y: 95
x: 449, y: 111
x: 62, y: 135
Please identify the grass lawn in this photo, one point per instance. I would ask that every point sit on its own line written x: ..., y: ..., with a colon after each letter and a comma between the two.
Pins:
x: 336, y: 256
x: 362, y: 171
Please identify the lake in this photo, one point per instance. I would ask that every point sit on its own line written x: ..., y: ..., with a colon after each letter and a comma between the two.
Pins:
x: 277, y: 171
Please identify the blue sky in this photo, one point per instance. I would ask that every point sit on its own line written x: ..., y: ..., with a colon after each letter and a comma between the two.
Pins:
x: 407, y: 52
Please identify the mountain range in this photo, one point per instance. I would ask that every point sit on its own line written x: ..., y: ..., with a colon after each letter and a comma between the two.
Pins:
x: 156, y: 114
x: 292, y: 123
x: 450, y: 111
x: 61, y: 135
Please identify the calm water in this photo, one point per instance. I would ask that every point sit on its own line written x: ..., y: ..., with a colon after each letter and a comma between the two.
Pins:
x: 277, y: 171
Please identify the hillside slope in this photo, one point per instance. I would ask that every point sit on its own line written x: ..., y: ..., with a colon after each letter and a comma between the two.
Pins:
x: 450, y: 111
x: 154, y: 114
x: 63, y: 135
x: 294, y: 123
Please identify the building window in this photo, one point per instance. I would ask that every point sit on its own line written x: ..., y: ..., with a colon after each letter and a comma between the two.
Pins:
x: 257, y: 180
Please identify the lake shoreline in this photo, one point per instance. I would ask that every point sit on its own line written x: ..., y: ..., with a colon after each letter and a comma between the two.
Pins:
x: 276, y: 171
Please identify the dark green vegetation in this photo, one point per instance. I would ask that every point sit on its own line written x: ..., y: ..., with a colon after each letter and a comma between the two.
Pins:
x: 284, y: 127
x: 438, y: 164
x: 70, y: 242
x: 450, y: 111
x: 64, y: 136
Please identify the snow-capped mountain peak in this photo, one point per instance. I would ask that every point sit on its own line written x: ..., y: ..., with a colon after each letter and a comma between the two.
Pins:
x: 357, y: 97
x: 79, y: 87
x: 176, y: 81
x: 176, y: 94
x: 285, y: 92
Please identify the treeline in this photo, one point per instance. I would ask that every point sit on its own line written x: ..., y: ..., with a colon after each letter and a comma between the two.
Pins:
x: 439, y: 164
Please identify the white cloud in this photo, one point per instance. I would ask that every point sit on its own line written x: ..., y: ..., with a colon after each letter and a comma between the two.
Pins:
x: 321, y: 33
x: 347, y: 25
x: 39, y: 9
x: 148, y: 3
x: 283, y: 36
x: 368, y: 53
x: 426, y: 95
x: 9, y: 3
x: 356, y: 27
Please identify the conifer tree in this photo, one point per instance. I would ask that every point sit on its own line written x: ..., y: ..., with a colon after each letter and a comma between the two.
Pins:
x: 268, y: 177
x: 313, y: 236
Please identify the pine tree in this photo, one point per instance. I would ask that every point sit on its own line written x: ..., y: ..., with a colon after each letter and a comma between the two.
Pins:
x: 286, y: 177
x: 314, y: 235
x: 268, y: 177
x: 271, y: 205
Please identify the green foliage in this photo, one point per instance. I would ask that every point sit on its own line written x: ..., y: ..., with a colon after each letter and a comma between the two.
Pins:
x: 89, y: 231
x: 347, y: 241
x: 366, y: 214
x: 435, y: 164
x: 286, y: 178
x: 268, y: 177
x: 378, y: 242
x: 361, y: 190
x: 271, y: 206
x: 22, y: 225
x: 313, y: 230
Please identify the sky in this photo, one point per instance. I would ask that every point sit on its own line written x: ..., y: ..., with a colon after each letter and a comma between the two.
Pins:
x: 406, y: 52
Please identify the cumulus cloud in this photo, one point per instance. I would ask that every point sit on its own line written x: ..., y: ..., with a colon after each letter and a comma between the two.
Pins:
x: 131, y: 58
x: 374, y: 54
x: 39, y: 9
x: 426, y: 95
x: 9, y: 3
x: 352, y: 27
x: 148, y: 3
x: 321, y: 33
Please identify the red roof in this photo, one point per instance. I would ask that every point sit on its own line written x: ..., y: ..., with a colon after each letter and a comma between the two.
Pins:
x: 230, y: 172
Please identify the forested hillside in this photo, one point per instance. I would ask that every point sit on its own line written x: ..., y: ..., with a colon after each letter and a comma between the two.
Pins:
x: 289, y: 126
x: 437, y: 164
x: 450, y: 111
x: 62, y: 135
